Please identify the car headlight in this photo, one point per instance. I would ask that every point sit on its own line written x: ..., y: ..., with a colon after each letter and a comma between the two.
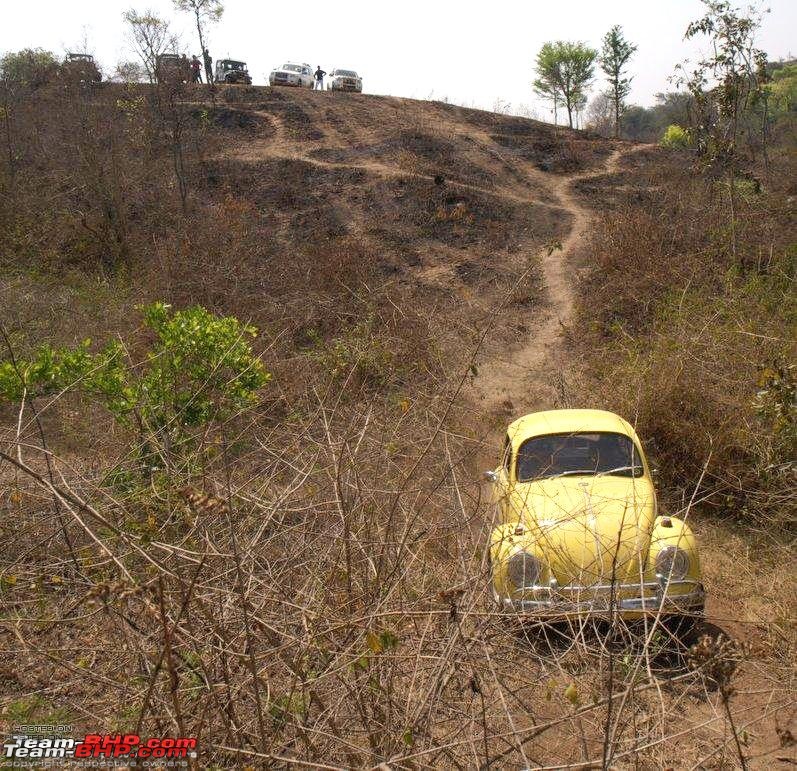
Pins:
x: 672, y: 563
x: 524, y: 569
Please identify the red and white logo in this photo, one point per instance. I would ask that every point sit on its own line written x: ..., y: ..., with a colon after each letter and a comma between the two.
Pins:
x: 99, y: 746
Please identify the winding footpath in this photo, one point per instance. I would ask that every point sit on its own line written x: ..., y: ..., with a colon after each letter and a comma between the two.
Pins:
x: 523, y: 378
x: 516, y: 378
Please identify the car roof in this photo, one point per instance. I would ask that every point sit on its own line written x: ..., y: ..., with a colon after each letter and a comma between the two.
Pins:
x: 568, y: 421
x: 231, y: 61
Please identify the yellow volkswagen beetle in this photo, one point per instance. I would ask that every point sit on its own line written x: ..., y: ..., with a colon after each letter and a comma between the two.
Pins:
x: 579, y: 528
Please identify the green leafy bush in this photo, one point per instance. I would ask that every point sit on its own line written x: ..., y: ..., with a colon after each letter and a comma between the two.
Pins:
x: 782, y: 90
x: 51, y: 370
x: 676, y: 137
x: 199, y: 367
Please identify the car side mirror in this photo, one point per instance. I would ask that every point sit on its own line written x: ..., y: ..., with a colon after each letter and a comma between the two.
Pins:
x: 490, y: 476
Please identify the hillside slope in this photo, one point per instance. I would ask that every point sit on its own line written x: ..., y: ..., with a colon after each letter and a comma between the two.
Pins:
x: 466, y: 208
x: 306, y: 583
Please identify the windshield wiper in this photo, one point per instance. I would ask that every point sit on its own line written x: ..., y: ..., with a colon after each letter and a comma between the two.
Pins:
x: 574, y: 472
x: 632, y: 469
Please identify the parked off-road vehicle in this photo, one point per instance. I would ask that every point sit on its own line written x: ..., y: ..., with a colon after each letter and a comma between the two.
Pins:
x: 81, y: 67
x: 291, y: 74
x: 173, y: 68
x: 344, y: 80
x: 232, y: 71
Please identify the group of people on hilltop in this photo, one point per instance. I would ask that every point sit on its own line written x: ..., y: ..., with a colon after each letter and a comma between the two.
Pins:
x: 196, y: 67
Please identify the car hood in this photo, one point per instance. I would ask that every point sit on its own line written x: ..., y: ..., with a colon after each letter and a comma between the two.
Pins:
x: 588, y: 529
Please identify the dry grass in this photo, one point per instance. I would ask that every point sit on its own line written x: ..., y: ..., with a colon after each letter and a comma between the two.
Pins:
x: 316, y: 594
x: 323, y: 596
x: 694, y: 343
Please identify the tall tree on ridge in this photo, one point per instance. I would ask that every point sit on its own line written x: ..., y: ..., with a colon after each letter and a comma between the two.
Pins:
x: 613, y: 60
x: 565, y: 70
x: 209, y: 11
x: 150, y: 37
x: 546, y: 83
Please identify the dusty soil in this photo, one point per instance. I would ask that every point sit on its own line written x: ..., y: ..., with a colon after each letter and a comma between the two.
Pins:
x: 523, y: 362
x: 476, y: 222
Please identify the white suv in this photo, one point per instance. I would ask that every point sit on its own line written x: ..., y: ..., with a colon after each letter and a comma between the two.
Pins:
x: 291, y: 74
x: 344, y: 80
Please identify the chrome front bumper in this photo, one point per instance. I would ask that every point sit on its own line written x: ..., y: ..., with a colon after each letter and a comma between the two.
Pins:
x: 648, y: 597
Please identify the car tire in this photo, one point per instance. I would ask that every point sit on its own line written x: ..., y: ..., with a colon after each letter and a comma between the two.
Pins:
x: 684, y: 629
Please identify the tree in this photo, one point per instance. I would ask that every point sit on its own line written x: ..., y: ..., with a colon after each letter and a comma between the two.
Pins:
x: 565, y: 71
x: 647, y: 124
x: 724, y: 86
x: 546, y: 85
x: 674, y: 107
x: 21, y: 73
x: 29, y: 68
x: 151, y: 37
x: 579, y: 106
x: 613, y: 60
x: 783, y: 86
x: 641, y: 124
x: 209, y: 11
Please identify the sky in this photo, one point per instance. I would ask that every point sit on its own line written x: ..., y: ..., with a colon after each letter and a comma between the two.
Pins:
x: 478, y: 54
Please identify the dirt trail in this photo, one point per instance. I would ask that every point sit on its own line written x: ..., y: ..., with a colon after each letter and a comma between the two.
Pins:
x: 282, y: 147
x: 512, y: 379
x: 523, y: 379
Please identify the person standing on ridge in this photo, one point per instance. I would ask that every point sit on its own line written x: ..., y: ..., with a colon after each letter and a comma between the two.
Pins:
x: 208, y: 65
x: 196, y: 70
x: 319, y: 79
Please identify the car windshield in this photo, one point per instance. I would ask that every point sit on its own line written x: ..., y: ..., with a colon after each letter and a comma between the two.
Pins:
x: 577, y: 454
x: 235, y: 65
x: 291, y: 67
x: 346, y: 73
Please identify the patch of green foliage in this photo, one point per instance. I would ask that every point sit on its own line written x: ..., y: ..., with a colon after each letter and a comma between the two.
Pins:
x: 357, y: 351
x: 30, y: 67
x: 198, y: 368
x: 676, y: 138
x: 776, y: 405
x: 35, y: 708
x: 782, y: 89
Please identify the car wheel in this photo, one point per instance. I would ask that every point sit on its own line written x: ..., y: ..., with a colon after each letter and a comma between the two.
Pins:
x: 684, y: 629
